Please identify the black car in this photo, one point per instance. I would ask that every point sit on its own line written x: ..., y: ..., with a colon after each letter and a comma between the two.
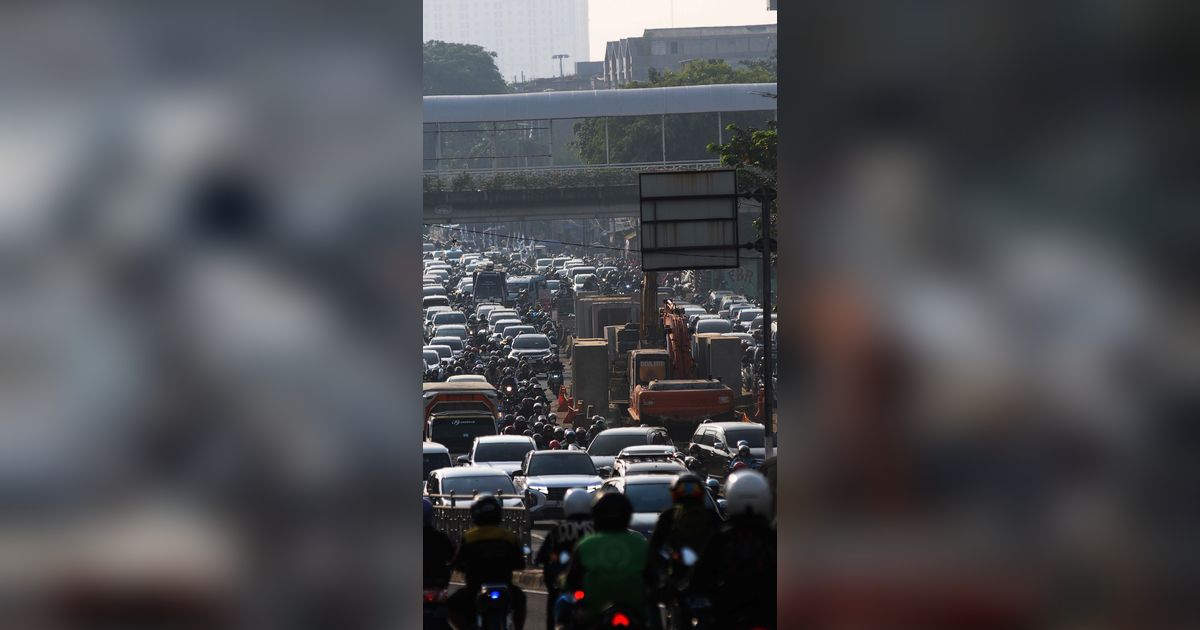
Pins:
x: 715, y: 444
x: 650, y: 496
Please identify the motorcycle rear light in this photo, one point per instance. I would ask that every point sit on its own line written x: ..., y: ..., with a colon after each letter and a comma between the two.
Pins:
x: 578, y: 595
x: 619, y: 620
x: 494, y: 594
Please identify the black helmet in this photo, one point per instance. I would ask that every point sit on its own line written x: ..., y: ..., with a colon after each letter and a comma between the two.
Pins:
x: 509, y: 418
x: 552, y: 418
x: 538, y: 439
x: 543, y: 419
x: 744, y: 450
x: 486, y: 510
x: 538, y: 427
x: 527, y: 433
x: 569, y: 435
x: 688, y: 488
x: 611, y: 511
x: 559, y: 433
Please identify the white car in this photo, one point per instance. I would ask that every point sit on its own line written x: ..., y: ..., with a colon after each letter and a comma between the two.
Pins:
x: 468, y: 482
x: 504, y: 452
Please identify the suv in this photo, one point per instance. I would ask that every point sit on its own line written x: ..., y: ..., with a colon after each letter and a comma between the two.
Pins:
x: 715, y: 444
x: 433, y: 457
x: 503, y: 452
x: 545, y: 477
x: 605, y: 447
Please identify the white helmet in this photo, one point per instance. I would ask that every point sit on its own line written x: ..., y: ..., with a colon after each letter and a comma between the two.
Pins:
x: 747, y: 491
x: 577, y: 502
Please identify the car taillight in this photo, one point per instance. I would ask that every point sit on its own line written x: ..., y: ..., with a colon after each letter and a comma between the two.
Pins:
x: 578, y: 595
x: 619, y: 620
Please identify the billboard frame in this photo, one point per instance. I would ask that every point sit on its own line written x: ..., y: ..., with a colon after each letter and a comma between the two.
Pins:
x: 732, y: 197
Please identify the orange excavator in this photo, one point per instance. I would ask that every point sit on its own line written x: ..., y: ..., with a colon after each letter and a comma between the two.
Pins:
x: 665, y: 390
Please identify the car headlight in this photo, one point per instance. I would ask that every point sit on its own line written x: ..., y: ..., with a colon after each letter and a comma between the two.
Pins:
x: 541, y: 489
x: 594, y: 487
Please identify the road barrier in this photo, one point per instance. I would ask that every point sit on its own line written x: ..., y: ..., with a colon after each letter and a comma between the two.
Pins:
x: 452, y: 515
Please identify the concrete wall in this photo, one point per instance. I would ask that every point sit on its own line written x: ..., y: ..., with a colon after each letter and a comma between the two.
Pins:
x: 725, y: 361
x: 589, y: 373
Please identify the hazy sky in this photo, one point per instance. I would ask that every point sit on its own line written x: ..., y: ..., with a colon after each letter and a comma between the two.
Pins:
x: 614, y: 19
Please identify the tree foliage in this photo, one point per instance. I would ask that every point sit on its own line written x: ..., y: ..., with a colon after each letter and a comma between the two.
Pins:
x: 753, y: 152
x: 709, y: 72
x: 460, y: 69
x: 637, y: 139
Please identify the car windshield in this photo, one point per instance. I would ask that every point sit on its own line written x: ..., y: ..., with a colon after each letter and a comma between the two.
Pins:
x: 431, y: 356
x: 531, y: 342
x: 748, y: 314
x: 433, y: 461
x: 513, y: 331
x: 469, y: 485
x: 713, y: 326
x: 457, y: 434
x: 649, y: 497
x: 571, y: 463
x: 443, y: 351
x: 756, y: 437
x: 502, y: 451
x: 453, y: 317
x: 455, y: 343
x: 608, y: 445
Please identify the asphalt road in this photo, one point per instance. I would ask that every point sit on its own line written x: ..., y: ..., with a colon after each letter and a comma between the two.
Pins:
x: 535, y: 606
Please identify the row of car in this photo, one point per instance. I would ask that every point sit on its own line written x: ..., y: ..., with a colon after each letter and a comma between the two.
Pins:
x: 512, y: 465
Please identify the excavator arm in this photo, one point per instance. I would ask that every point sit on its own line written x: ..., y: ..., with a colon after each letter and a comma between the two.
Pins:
x: 679, y: 341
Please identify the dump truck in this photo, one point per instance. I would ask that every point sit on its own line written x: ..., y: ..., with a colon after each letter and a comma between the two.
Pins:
x: 460, y: 396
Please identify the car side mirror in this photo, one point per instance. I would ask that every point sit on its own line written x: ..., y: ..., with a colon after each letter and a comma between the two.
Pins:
x: 719, y: 445
x: 463, y: 460
x: 605, y: 472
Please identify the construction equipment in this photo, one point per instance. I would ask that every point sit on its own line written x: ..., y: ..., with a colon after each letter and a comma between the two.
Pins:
x: 679, y: 341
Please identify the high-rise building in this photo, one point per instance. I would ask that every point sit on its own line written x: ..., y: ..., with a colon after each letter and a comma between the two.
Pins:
x: 524, y: 34
x: 632, y: 58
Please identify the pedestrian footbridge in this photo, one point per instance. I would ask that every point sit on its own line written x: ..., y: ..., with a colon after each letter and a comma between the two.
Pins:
x: 572, y: 154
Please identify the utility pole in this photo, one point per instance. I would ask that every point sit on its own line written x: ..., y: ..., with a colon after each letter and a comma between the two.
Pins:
x: 560, y: 57
x: 766, y: 196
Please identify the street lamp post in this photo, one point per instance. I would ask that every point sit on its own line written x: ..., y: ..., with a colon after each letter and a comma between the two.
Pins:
x: 560, y: 57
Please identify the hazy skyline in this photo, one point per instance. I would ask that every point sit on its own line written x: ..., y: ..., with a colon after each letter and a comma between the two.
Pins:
x: 614, y: 19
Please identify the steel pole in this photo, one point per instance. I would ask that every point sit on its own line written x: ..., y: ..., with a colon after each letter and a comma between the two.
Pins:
x: 765, y: 198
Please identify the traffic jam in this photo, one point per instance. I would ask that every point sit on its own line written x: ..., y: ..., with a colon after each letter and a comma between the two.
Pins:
x: 546, y: 389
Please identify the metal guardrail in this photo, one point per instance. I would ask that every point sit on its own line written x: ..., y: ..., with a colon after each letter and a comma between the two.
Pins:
x: 632, y: 166
x: 453, y: 516
x: 573, y: 176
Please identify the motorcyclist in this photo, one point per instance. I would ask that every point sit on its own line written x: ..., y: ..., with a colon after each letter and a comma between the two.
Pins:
x: 577, y: 506
x: 437, y: 551
x: 743, y: 456
x: 694, y: 465
x: 687, y: 523
x: 609, y: 566
x: 488, y: 553
x: 737, y: 570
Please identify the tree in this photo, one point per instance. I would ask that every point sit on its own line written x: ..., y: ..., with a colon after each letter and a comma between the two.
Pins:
x: 710, y: 72
x: 753, y: 153
x: 460, y: 69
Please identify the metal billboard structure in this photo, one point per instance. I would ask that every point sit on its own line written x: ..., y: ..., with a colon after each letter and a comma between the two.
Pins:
x: 689, y: 220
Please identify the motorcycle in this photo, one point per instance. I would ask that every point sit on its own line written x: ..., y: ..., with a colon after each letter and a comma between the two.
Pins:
x: 436, y: 614
x: 681, y: 607
x: 493, y: 607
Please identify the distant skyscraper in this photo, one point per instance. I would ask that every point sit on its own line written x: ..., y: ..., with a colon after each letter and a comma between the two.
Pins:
x: 524, y: 34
